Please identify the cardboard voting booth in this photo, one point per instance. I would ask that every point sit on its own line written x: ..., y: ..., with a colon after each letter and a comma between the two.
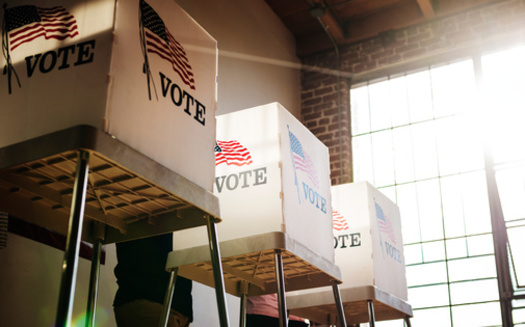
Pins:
x: 272, y: 175
x: 367, y: 237
x: 142, y: 71
x: 369, y: 252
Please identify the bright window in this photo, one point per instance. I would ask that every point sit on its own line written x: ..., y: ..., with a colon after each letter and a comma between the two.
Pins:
x: 419, y: 138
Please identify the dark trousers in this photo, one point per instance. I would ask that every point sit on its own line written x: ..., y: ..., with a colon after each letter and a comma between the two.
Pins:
x: 265, y: 321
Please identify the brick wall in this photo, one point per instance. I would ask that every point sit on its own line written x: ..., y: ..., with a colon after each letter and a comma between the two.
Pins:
x: 325, y: 80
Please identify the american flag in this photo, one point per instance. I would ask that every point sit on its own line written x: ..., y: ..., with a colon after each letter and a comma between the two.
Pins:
x: 232, y: 153
x: 339, y: 220
x: 302, y: 160
x: 26, y: 23
x: 384, y: 224
x: 160, y: 42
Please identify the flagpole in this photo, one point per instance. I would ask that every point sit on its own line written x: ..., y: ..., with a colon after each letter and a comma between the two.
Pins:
x: 293, y: 163
x: 9, y: 69
x: 145, y: 67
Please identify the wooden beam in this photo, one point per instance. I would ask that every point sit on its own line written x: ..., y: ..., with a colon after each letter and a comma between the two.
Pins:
x: 427, y: 8
x: 331, y: 24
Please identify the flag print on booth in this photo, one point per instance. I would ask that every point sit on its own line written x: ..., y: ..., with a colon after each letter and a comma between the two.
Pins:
x: 231, y: 153
x: 302, y: 161
x: 26, y: 23
x: 157, y: 39
x: 93, y: 56
x: 384, y: 224
x: 258, y: 187
x: 339, y: 221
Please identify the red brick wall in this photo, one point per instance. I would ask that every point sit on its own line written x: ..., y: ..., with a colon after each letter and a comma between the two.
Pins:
x: 489, y: 26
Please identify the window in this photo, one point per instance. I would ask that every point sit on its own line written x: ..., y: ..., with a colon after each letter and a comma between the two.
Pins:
x: 419, y: 137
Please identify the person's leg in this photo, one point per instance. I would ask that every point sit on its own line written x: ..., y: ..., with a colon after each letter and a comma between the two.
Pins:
x: 140, y: 313
x: 261, y: 321
x: 296, y: 323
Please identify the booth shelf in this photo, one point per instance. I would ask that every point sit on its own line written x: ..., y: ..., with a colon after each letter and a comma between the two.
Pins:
x: 82, y: 182
x: 128, y: 192
x: 250, y: 260
x: 258, y: 265
x: 358, y: 302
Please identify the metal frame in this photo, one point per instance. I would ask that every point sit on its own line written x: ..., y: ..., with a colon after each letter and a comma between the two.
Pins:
x: 104, y: 184
x: 70, y: 263
x: 259, y: 265
x: 360, y: 304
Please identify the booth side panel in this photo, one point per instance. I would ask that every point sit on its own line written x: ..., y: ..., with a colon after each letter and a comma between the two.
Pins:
x: 54, y: 80
x: 306, y: 186
x: 162, y: 98
x: 352, y: 234
x: 389, y: 262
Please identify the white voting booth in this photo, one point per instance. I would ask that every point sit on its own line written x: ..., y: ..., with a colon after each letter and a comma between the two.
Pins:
x: 272, y: 175
x: 273, y: 183
x: 108, y: 104
x: 369, y: 251
x: 142, y: 71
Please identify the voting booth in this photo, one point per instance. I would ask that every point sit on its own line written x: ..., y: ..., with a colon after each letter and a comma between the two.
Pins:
x: 108, y: 114
x: 142, y: 71
x: 369, y: 251
x: 272, y: 175
x: 273, y: 183
x: 367, y: 237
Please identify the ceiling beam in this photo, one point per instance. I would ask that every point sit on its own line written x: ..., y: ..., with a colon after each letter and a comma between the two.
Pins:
x: 359, y: 29
x: 427, y: 8
x: 329, y: 21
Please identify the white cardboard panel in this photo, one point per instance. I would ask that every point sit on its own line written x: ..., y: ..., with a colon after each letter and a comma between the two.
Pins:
x: 94, y: 74
x: 373, y: 219
x: 368, y: 253
x: 63, y: 83
x: 257, y: 187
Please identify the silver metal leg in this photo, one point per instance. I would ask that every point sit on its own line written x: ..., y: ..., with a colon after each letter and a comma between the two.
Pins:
x: 407, y: 321
x: 281, y: 297
x: 74, y: 234
x: 218, y: 277
x: 339, y: 304
x: 168, y: 298
x: 371, y: 315
x: 242, y: 318
x: 93, y: 283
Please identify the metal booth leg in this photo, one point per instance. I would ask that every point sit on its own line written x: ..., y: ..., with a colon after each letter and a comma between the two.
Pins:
x: 244, y: 295
x: 407, y: 321
x: 218, y: 277
x: 93, y: 283
x: 168, y: 298
x: 74, y: 234
x: 339, y: 304
x: 371, y: 315
x: 281, y: 297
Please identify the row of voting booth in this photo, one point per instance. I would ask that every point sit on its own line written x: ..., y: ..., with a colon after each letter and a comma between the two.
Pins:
x: 273, y: 184
x: 109, y: 134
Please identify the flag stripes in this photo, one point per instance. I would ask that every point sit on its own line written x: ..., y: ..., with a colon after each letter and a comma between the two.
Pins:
x: 232, y: 153
x: 161, y: 42
x: 302, y: 160
x: 339, y: 221
x: 384, y: 224
x: 26, y: 23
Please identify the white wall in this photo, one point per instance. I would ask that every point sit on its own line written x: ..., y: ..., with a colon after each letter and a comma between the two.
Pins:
x: 257, y: 65
x: 257, y: 62
x: 30, y: 280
